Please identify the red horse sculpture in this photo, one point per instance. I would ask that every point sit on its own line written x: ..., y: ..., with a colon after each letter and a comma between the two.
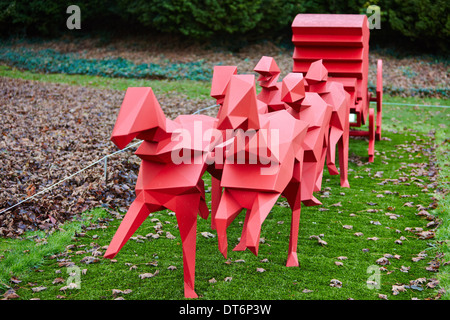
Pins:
x: 163, y: 184
x: 258, y: 148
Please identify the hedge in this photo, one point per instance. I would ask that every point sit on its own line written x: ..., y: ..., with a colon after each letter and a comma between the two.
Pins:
x: 424, y: 23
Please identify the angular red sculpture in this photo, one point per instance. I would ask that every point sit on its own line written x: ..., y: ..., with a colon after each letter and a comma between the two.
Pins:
x: 260, y: 147
x: 275, y: 144
x: 162, y: 183
x: 270, y: 88
x: 335, y: 95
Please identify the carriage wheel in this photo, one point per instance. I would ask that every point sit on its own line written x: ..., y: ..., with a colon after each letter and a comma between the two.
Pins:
x: 379, y: 98
x: 371, y: 134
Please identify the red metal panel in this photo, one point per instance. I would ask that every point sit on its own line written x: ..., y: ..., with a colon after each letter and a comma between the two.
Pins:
x: 341, y: 41
x: 324, y: 52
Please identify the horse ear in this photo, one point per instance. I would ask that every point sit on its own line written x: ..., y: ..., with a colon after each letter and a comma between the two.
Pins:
x: 139, y: 114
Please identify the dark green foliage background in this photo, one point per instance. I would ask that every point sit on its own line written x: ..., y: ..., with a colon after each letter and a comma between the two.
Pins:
x: 423, y: 23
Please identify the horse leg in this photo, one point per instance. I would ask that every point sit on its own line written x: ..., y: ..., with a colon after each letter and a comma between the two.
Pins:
x: 186, y: 208
x: 335, y: 135
x: 242, y: 243
x: 261, y: 208
x: 293, y: 198
x: 137, y: 213
x: 307, y: 184
x: 227, y: 210
x: 216, y: 193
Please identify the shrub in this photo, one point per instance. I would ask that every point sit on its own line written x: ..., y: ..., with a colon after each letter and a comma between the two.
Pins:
x: 206, y: 19
x: 424, y: 23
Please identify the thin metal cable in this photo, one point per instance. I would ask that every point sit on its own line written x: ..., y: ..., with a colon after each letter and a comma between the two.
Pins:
x: 414, y: 105
x: 207, y: 108
x: 87, y: 167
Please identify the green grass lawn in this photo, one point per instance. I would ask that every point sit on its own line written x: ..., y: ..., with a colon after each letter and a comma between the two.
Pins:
x: 192, y: 89
x: 373, y: 206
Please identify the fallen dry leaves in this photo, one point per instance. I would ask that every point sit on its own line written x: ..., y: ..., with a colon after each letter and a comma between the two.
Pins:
x: 319, y: 239
x: 335, y: 283
x: 50, y: 131
x: 148, y: 275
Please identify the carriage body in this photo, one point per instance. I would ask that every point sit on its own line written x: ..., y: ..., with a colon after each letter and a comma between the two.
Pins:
x: 341, y: 41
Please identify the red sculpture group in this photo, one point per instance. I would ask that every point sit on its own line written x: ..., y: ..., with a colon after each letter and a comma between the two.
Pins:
x: 260, y: 147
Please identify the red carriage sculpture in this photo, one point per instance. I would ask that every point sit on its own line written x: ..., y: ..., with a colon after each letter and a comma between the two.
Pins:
x: 341, y: 41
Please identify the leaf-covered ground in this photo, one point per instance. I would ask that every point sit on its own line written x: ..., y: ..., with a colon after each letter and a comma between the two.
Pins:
x: 50, y: 131
x: 372, y: 241
x: 380, y: 230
